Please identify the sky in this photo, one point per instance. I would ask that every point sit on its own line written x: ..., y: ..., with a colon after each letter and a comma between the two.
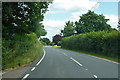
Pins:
x: 61, y: 11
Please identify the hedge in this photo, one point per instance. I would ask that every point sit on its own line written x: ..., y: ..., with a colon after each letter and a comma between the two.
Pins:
x: 101, y: 42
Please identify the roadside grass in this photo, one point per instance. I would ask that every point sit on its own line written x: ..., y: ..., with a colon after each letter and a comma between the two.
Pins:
x: 93, y: 54
x: 57, y: 46
x: 27, y: 49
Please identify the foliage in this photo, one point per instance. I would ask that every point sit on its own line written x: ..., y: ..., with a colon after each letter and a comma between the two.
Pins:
x: 91, y: 22
x: 68, y: 30
x: 43, y: 43
x: 21, y: 28
x: 119, y: 24
x: 46, y: 40
x: 26, y: 49
x: 51, y: 43
x: 57, y: 38
x: 100, y: 42
x: 59, y: 43
x: 23, y: 17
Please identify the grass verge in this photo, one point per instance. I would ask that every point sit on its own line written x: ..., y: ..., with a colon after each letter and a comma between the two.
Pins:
x: 27, y: 48
x: 115, y: 59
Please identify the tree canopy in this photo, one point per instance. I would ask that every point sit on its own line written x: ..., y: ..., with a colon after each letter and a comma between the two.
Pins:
x: 91, y: 22
x: 68, y: 30
x: 88, y: 22
x: 46, y: 40
x: 57, y: 38
x: 23, y: 17
x: 119, y: 24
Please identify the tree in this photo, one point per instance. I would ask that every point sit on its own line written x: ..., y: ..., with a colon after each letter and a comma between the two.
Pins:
x: 21, y: 25
x: 22, y: 18
x: 46, y: 40
x: 91, y: 22
x: 119, y: 24
x: 40, y: 31
x: 68, y: 30
x: 57, y: 38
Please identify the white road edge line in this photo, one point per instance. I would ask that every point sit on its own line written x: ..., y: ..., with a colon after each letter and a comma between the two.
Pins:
x: 41, y: 58
x: 104, y: 59
x: 33, y: 69
x: 95, y: 76
x: 25, y: 76
x: 76, y: 61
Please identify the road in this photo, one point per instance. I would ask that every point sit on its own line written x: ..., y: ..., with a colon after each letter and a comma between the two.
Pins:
x: 59, y: 63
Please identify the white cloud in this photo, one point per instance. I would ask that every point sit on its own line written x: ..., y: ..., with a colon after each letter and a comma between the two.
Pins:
x: 74, y: 6
x: 53, y: 12
x: 72, y: 18
x: 113, y: 20
x: 54, y: 23
x: 53, y: 27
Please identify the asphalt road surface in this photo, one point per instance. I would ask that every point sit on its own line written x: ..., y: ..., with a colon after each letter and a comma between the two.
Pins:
x: 59, y: 63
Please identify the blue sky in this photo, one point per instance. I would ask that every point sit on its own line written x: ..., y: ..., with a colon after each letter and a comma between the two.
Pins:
x: 60, y: 11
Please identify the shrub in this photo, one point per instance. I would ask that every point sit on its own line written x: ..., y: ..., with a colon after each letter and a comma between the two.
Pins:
x: 51, y: 43
x: 26, y: 48
x: 59, y: 43
x: 101, y: 42
x: 43, y: 43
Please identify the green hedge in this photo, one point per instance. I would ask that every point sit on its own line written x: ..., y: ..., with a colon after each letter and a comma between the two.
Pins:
x: 20, y: 51
x: 100, y: 42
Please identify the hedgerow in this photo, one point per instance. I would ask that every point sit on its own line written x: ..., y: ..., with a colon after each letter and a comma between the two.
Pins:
x: 101, y: 42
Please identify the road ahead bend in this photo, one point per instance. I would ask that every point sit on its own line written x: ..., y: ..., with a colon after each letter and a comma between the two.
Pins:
x: 59, y: 63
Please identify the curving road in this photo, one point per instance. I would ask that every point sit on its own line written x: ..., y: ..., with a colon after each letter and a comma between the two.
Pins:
x: 59, y: 63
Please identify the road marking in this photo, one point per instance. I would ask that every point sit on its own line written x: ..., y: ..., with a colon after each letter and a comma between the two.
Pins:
x: 33, y: 69
x: 95, y: 76
x: 86, y: 69
x: 65, y: 54
x: 25, y: 76
x: 41, y: 58
x: 76, y: 61
x: 104, y: 59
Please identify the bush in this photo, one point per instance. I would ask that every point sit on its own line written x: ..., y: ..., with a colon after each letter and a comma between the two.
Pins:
x: 101, y: 42
x: 51, y: 43
x: 59, y: 43
x: 25, y: 49
x: 43, y: 43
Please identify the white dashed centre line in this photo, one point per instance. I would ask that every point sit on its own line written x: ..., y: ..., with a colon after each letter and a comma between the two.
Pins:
x: 95, y: 76
x: 76, y: 61
x: 25, y: 76
x: 86, y: 69
x: 33, y: 69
